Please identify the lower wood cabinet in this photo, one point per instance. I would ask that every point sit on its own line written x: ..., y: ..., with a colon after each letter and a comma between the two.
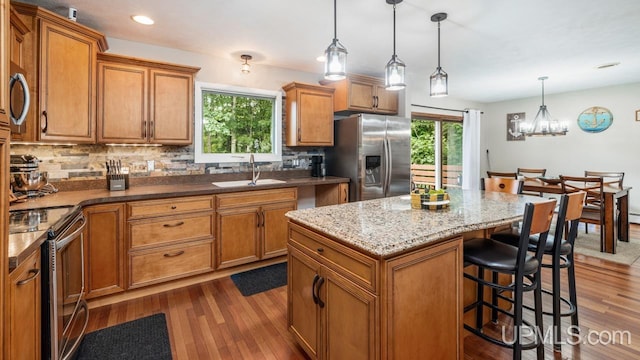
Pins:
x: 169, y: 239
x: 24, y: 325
x: 332, y: 194
x: 104, y: 249
x: 343, y: 301
x: 252, y: 225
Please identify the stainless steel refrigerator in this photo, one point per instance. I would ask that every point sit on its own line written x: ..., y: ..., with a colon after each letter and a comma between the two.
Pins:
x: 374, y: 151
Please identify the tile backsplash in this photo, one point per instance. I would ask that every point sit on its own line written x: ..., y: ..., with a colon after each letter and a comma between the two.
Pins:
x: 86, y: 162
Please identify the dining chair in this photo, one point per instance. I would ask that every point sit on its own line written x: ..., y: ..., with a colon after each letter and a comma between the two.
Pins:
x: 508, y: 175
x: 610, y: 178
x: 512, y: 186
x: 593, y: 210
x: 528, y: 174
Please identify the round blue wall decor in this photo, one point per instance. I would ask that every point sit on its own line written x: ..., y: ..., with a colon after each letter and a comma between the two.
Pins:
x: 595, y: 119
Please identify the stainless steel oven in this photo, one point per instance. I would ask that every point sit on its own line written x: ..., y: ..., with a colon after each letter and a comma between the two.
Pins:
x: 65, y: 312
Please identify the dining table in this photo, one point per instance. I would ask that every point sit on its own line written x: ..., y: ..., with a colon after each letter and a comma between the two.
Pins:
x: 616, y: 202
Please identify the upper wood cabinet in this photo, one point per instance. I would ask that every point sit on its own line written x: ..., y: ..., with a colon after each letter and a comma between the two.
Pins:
x: 359, y: 93
x: 141, y: 101
x: 60, y: 58
x: 4, y: 63
x: 309, y: 115
x: 17, y: 32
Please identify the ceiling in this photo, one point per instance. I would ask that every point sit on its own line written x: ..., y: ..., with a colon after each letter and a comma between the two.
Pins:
x: 493, y: 50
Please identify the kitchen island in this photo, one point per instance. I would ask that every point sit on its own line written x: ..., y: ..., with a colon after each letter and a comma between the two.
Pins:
x: 379, y: 280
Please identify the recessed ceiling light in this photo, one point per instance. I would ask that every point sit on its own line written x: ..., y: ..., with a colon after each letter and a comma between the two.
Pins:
x: 142, y: 19
x: 608, y: 65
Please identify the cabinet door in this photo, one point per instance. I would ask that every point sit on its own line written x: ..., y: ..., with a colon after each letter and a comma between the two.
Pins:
x: 104, y: 250
x: 122, y: 103
x: 67, y: 85
x: 386, y: 101
x: 24, y: 309
x: 361, y: 95
x: 274, y: 227
x: 303, y: 317
x: 171, y: 102
x: 238, y: 236
x: 349, y: 319
x: 315, y: 118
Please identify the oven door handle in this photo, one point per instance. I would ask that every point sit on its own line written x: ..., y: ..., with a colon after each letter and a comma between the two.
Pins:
x: 62, y: 243
x: 72, y: 352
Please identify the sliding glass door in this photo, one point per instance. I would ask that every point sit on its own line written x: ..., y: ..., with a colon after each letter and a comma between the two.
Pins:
x: 436, y: 150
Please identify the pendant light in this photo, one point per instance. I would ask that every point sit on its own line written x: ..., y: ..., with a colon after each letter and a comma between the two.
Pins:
x: 394, y: 71
x: 246, y: 68
x: 335, y: 63
x: 439, y: 80
x: 543, y: 124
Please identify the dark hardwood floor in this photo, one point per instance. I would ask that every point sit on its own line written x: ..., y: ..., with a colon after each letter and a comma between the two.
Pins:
x: 213, y: 320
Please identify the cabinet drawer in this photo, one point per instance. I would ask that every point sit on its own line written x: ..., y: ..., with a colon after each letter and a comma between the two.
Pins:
x: 259, y: 197
x: 158, y: 231
x: 170, y: 262
x: 349, y: 263
x: 138, y: 209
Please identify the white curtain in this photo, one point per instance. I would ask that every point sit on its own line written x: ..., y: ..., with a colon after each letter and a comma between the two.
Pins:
x: 471, y: 150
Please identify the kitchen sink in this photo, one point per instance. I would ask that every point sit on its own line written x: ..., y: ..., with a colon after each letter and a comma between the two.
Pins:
x: 237, y: 183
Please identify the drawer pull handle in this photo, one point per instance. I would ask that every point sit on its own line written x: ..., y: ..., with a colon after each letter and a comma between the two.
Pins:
x: 173, y: 207
x: 35, y: 273
x: 320, y: 250
x: 320, y: 302
x: 174, y: 254
x: 174, y: 225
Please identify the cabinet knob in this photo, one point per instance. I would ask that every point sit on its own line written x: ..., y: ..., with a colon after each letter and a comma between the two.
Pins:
x: 173, y: 207
x: 320, y: 250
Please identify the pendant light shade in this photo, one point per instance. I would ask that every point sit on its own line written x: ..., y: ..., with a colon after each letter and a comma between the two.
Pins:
x: 245, y: 67
x: 395, y: 69
x: 543, y: 124
x: 439, y: 79
x: 335, y: 63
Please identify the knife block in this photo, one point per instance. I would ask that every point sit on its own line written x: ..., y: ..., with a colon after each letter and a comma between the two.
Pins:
x: 117, y: 182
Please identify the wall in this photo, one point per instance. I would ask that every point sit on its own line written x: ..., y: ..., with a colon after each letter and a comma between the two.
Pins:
x: 88, y: 161
x: 615, y: 149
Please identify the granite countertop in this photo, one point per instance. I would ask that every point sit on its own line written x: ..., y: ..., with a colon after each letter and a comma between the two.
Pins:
x: 385, y: 227
x: 22, y: 245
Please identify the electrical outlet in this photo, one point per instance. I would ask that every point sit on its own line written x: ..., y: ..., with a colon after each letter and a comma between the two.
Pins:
x: 151, y: 165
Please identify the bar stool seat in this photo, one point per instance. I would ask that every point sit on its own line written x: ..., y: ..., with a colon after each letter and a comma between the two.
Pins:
x: 511, y: 238
x: 497, y: 256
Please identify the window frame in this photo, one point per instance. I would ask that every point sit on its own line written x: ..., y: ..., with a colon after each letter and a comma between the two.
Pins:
x: 276, y: 124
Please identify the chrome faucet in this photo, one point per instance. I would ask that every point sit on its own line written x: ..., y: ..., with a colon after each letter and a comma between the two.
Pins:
x: 254, y: 176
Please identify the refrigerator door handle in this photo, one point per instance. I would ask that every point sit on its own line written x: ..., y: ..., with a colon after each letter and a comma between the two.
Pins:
x: 388, y: 166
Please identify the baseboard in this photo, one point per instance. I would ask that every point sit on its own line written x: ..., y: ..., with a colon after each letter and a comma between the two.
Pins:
x: 180, y: 283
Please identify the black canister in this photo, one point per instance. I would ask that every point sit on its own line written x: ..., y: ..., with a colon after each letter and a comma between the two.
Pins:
x: 316, y: 166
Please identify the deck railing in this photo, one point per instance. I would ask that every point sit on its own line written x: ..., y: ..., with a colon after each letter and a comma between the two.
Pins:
x: 426, y: 174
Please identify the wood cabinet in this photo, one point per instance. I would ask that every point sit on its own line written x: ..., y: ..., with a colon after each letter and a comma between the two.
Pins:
x: 105, y: 252
x: 251, y: 226
x: 169, y: 239
x: 309, y: 115
x: 142, y: 101
x: 61, y: 55
x: 4, y: 169
x: 332, y: 194
x: 24, y: 324
x: 343, y: 301
x: 359, y: 93
x: 17, y: 32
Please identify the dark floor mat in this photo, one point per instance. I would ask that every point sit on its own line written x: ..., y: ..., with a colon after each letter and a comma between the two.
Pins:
x: 262, y: 279
x: 140, y: 339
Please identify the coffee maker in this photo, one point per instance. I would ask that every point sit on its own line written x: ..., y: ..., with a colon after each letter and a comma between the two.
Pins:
x: 316, y: 166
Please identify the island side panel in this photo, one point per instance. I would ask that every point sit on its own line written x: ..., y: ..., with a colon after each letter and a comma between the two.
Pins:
x: 422, y: 308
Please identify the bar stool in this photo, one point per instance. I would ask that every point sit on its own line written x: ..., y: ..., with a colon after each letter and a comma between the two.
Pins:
x: 498, y: 257
x: 561, y: 253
